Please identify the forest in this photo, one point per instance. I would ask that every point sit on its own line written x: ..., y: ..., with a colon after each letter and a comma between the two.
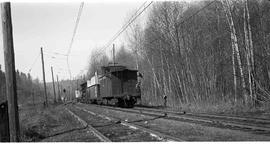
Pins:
x: 29, y: 90
x: 204, y: 55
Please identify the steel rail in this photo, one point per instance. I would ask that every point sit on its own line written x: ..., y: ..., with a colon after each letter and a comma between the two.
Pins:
x: 152, y: 132
x: 259, y: 120
x: 213, y: 121
x: 183, y: 117
x: 93, y: 130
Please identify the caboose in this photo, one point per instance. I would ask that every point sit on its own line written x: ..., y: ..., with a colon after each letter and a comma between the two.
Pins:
x: 116, y: 84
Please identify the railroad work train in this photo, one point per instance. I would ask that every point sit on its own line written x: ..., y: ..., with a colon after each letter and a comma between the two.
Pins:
x: 117, y: 85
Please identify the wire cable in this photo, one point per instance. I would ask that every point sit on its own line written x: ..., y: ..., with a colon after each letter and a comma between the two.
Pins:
x: 73, y: 35
x: 129, y: 19
x: 76, y: 27
x: 185, y: 20
x: 196, y: 13
x: 55, y: 53
x: 109, y: 43
x: 124, y: 28
x: 33, y: 63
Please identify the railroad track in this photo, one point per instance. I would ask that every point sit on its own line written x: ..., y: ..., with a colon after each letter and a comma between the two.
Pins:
x: 245, y: 124
x: 157, y: 135
x: 262, y: 121
x: 152, y: 132
x: 100, y: 136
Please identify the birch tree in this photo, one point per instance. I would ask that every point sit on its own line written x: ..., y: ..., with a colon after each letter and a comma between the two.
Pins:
x: 236, y: 47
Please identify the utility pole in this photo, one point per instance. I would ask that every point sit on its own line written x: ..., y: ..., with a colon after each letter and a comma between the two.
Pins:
x: 65, y: 96
x: 11, y: 87
x: 32, y: 93
x: 77, y: 84
x: 33, y: 98
x: 69, y: 92
x: 59, y: 97
x: 113, y: 56
x: 44, y: 80
x: 53, y: 85
x: 62, y: 91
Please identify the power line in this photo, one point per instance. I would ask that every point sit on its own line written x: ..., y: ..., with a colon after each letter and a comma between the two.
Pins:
x: 115, y: 37
x: 196, y: 13
x: 183, y: 21
x: 132, y: 19
x: 73, y: 35
x: 56, y: 63
x: 70, y: 45
x: 76, y: 26
x: 33, y: 63
x: 55, y: 53
x: 121, y: 31
x: 58, y: 54
x: 53, y: 57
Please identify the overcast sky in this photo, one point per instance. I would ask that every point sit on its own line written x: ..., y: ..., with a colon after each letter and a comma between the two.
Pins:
x: 51, y: 25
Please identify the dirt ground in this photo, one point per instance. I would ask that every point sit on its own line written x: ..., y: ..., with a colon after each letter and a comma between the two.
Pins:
x: 51, y: 124
x: 184, y: 130
x: 113, y: 129
x: 55, y: 124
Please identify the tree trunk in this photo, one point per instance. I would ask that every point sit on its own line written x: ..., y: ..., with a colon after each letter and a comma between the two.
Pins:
x: 251, y: 54
x: 247, y: 46
x: 235, y: 44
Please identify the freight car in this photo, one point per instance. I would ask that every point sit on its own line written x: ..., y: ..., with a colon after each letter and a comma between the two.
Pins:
x: 82, y: 97
x: 116, y: 85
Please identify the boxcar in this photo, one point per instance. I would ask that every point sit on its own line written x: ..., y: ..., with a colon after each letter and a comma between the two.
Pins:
x: 116, y: 84
x: 83, y: 88
x: 92, y: 91
x: 119, y: 83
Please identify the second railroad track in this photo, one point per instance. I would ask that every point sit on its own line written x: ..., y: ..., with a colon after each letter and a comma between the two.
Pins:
x: 112, y: 129
x: 240, y: 123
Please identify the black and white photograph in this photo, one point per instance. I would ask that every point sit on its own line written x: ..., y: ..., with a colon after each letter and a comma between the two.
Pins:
x: 135, y: 71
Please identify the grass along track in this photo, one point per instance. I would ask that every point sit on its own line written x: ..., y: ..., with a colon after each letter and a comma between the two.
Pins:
x: 244, y: 124
x: 153, y: 133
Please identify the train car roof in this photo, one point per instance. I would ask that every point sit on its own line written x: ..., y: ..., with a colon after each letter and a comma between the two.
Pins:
x: 116, y: 68
x: 127, y: 70
x: 84, y: 83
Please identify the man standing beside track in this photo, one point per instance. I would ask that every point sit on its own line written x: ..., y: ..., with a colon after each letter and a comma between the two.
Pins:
x: 165, y: 100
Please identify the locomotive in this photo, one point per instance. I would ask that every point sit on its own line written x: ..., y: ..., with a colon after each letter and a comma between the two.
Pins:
x: 117, y: 85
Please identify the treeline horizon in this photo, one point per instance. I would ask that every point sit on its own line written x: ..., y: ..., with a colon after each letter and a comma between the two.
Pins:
x: 27, y: 87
